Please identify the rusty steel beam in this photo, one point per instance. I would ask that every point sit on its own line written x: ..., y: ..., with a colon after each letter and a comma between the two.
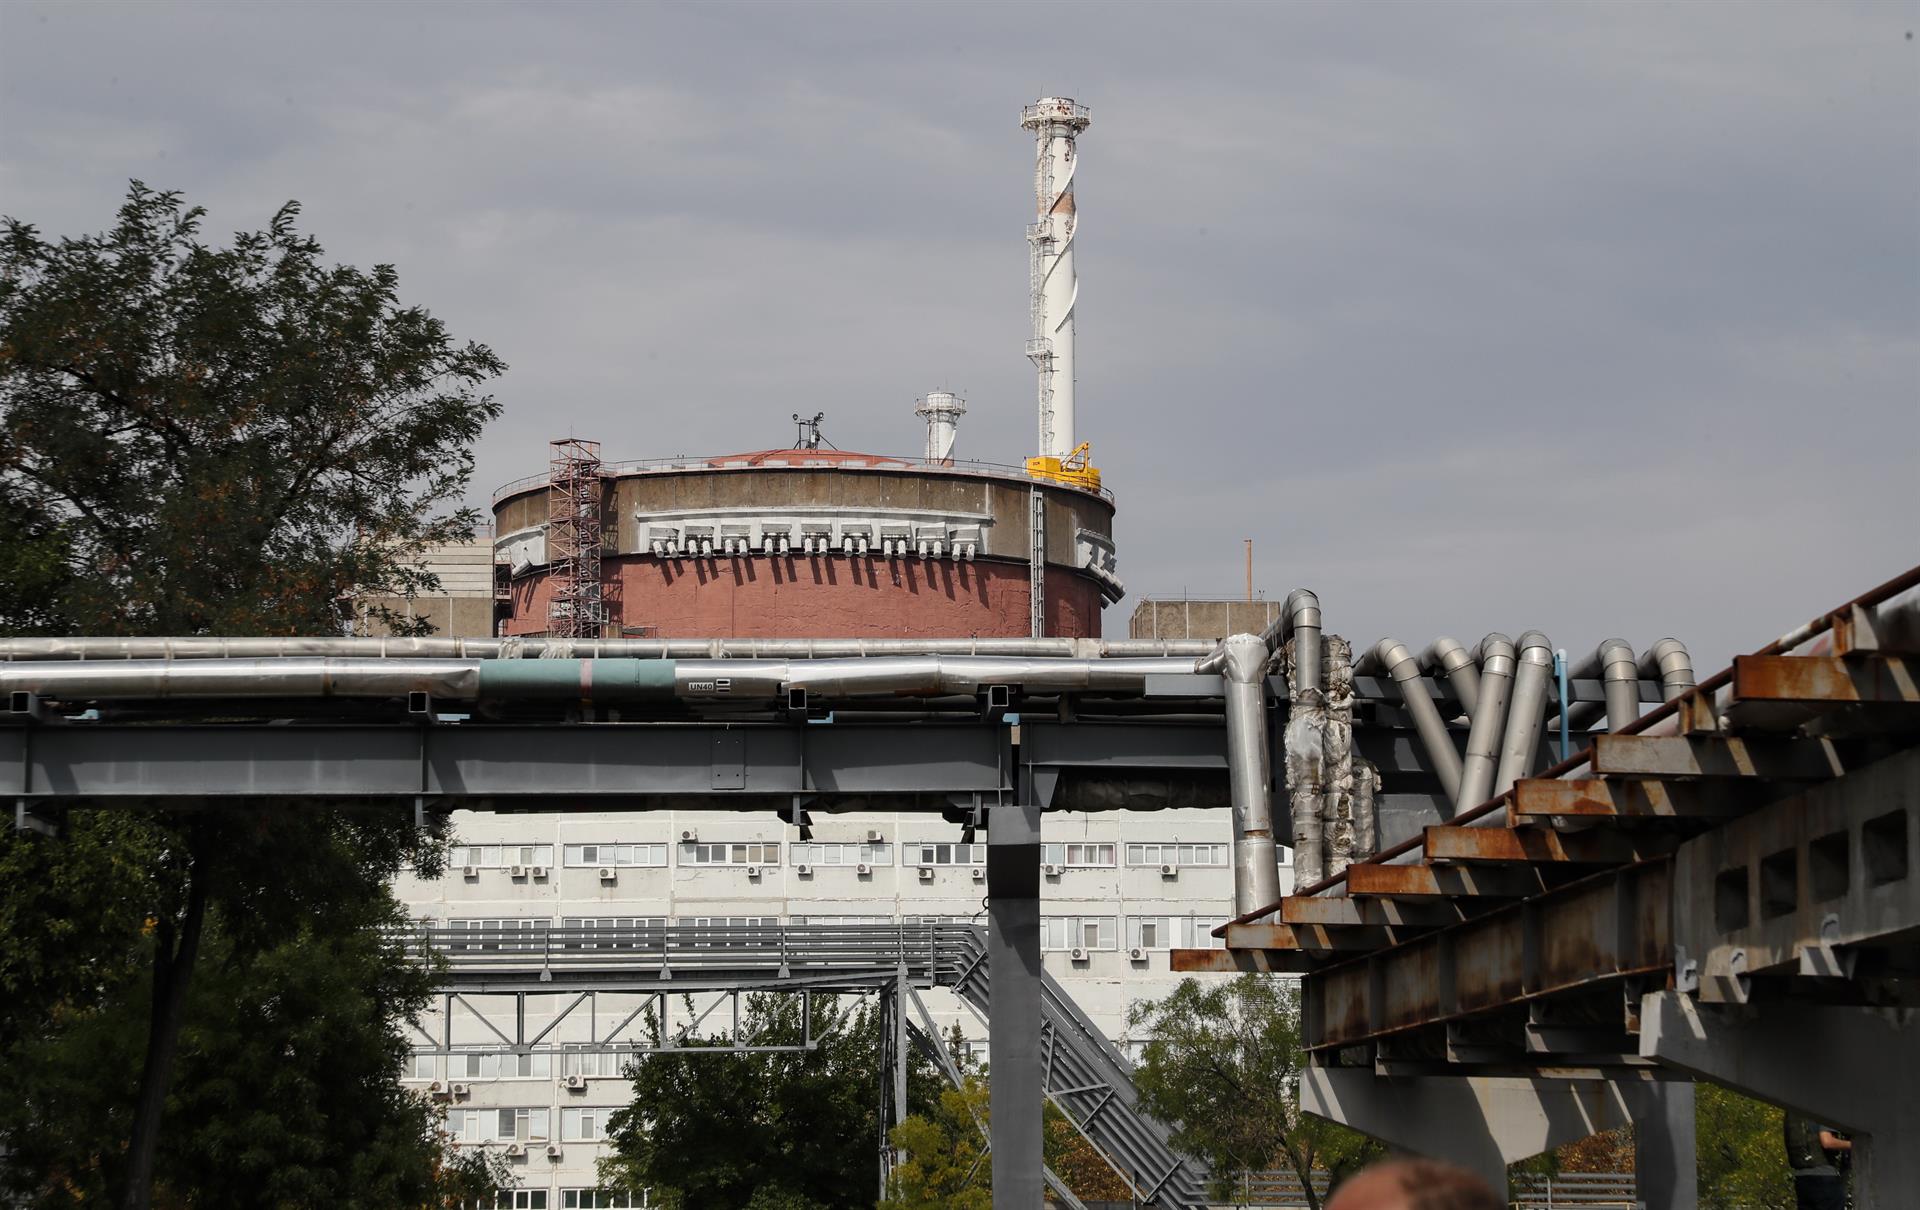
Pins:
x: 1313, y: 938
x: 1815, y: 679
x: 1448, y: 843
x: 1228, y: 962
x: 1591, y: 798
x: 1451, y: 882
x: 1707, y: 756
x: 1336, y: 911
x: 1600, y: 930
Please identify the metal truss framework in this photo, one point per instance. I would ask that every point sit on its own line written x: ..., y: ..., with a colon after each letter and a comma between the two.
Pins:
x: 1736, y: 900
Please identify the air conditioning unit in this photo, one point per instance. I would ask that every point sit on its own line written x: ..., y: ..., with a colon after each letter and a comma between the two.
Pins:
x: 609, y: 874
x: 979, y: 873
x: 688, y: 835
x: 1136, y: 954
x: 1051, y: 871
x: 577, y: 1083
x: 926, y: 873
x: 876, y: 836
x: 1169, y: 870
x: 539, y: 871
x: 460, y: 1090
x: 1078, y: 953
x: 753, y: 871
x: 863, y: 869
x: 470, y: 871
x: 516, y: 1150
x: 805, y: 871
x: 437, y: 1090
x: 553, y: 1151
x: 518, y: 871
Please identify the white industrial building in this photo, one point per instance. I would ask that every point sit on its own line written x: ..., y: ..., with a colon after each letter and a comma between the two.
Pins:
x: 1119, y: 890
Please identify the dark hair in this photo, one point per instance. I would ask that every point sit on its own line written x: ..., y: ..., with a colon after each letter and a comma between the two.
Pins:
x: 1433, y: 1185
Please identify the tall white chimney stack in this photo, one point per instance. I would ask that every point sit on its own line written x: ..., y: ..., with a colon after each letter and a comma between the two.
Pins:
x: 1056, y: 122
x: 942, y: 411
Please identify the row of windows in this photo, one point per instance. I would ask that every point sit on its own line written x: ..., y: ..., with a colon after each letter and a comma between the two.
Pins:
x: 506, y: 1065
x: 1143, y: 932
x: 524, y: 1125
x: 1147, y: 932
x: 570, y: 1199
x: 1075, y: 855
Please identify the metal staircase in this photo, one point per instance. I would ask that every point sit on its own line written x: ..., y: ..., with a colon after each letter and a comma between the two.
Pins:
x: 1085, y: 1076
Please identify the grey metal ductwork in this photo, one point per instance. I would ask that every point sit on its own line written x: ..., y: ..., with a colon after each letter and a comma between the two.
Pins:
x: 1299, y: 620
x: 1450, y: 658
x: 1533, y: 680
x: 1242, y: 660
x: 199, y: 648
x: 1668, y: 660
x: 1392, y: 657
x: 1496, y: 660
x: 1613, y: 662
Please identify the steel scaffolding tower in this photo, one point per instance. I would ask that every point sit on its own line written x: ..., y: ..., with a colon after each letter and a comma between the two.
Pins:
x: 577, y: 609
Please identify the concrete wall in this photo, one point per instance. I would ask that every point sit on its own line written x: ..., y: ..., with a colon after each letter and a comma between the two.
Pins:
x: 1180, y: 618
x: 809, y: 597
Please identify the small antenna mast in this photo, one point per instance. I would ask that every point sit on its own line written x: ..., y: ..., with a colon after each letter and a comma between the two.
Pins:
x: 807, y: 432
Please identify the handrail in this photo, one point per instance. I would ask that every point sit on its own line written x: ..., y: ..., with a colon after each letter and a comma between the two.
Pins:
x: 800, y: 461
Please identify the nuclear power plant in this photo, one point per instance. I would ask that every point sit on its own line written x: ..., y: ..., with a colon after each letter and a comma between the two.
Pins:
x: 812, y: 722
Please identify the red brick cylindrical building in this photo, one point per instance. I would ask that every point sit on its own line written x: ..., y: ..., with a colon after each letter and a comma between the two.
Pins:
x: 805, y: 542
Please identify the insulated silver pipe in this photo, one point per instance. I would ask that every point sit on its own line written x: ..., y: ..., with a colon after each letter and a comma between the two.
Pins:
x: 1392, y: 657
x: 1532, y: 681
x: 1668, y: 660
x: 194, y: 648
x: 1488, y: 723
x: 1450, y: 658
x: 1300, y: 620
x: 1620, y: 679
x: 602, y: 679
x: 1256, y: 869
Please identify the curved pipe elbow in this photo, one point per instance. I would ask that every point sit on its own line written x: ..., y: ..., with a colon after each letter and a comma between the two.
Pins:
x: 1535, y: 648
x: 1668, y: 659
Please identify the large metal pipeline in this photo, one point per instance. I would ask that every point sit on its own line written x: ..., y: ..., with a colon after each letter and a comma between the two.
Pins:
x: 1488, y: 722
x: 1449, y: 658
x: 1527, y: 713
x: 1242, y: 661
x: 1668, y: 660
x: 1614, y: 663
x: 197, y: 648
x: 1299, y: 620
x: 466, y: 680
x: 1392, y: 657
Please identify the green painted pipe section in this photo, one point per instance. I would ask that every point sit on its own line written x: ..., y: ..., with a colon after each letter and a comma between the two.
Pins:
x: 600, y: 680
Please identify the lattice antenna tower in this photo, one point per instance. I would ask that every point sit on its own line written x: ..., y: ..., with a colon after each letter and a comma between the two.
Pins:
x: 577, y: 609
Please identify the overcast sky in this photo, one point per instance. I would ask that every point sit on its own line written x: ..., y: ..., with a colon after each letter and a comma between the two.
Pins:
x: 1593, y: 318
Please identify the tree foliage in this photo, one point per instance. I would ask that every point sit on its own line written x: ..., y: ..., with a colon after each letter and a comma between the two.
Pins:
x: 1222, y: 1066
x: 942, y: 1161
x: 1742, y: 1161
x: 235, y: 440
x: 781, y: 1130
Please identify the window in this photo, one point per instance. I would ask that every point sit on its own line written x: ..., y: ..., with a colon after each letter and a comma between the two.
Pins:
x: 463, y: 1126
x: 498, y: 856
x: 606, y: 1064
x: 510, y: 935
x: 423, y: 1066
x: 602, y: 1199
x: 1196, y: 933
x: 1077, y: 856
x: 751, y: 852
x: 615, y: 854
x: 518, y: 1125
x: 520, y: 1199
x: 1176, y: 854
x: 722, y: 941
x: 613, y: 932
x: 840, y: 920
x: 1149, y: 932
x: 585, y: 1125
x: 839, y: 853
x: 943, y: 853
x: 1077, y: 932
x: 498, y: 1065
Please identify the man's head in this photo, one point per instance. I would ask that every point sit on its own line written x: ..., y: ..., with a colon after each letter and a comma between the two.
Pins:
x: 1415, y: 1184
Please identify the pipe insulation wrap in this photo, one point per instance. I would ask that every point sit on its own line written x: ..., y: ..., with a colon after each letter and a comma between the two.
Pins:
x: 1668, y: 660
x: 1526, y: 716
x: 1256, y: 867
x: 1392, y: 656
x: 1450, y: 658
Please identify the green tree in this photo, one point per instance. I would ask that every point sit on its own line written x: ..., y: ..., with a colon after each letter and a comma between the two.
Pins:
x: 1222, y: 1066
x: 203, y: 440
x: 941, y: 1155
x: 789, y: 1129
x: 1738, y: 1146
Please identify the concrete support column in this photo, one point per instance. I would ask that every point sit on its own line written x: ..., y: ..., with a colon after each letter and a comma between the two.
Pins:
x: 1665, y: 1168
x: 1850, y: 1068
x: 1013, y: 1013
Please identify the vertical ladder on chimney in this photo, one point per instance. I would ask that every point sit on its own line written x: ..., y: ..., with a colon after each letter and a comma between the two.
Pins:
x: 1037, y: 559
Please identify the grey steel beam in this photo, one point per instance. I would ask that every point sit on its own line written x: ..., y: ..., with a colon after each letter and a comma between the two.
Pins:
x: 1013, y: 1013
